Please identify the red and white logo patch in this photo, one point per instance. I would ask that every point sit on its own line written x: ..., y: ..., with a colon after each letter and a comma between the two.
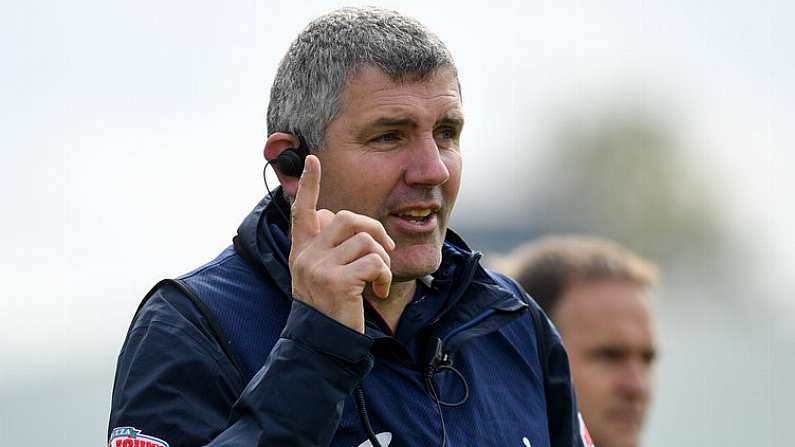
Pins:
x: 586, y: 437
x: 132, y: 437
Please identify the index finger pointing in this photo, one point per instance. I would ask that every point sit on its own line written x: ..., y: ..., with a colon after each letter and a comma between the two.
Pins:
x: 304, y: 207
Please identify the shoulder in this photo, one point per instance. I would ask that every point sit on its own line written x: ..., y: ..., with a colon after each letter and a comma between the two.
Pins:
x: 170, y: 359
x: 229, y: 280
x: 166, y: 317
x: 186, y: 310
x: 506, y: 282
x: 166, y: 304
x: 512, y: 286
x: 544, y: 329
x: 226, y: 268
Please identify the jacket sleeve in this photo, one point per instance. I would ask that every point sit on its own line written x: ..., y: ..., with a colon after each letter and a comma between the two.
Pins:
x: 563, y: 417
x: 175, y: 386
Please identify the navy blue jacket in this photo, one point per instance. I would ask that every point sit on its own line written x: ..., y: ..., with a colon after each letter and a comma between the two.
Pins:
x: 224, y: 356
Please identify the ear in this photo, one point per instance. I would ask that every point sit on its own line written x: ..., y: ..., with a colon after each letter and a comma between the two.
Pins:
x: 277, y: 143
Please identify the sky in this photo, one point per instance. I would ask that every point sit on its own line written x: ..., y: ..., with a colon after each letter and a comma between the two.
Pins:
x: 133, y: 135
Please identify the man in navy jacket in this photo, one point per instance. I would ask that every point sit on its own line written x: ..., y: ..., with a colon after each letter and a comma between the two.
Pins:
x: 346, y: 313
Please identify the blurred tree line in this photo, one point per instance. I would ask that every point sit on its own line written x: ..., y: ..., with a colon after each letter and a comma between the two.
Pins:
x: 624, y: 175
x: 622, y: 172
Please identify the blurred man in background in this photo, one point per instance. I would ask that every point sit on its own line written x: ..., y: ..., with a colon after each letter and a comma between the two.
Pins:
x: 599, y: 296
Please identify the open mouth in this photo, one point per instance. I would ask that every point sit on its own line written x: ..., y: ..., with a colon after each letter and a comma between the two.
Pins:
x: 419, y: 216
x: 418, y: 219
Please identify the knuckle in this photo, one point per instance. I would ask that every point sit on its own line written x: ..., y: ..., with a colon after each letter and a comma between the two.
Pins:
x: 375, y: 260
x: 345, y: 216
x: 365, y: 239
x: 295, y: 214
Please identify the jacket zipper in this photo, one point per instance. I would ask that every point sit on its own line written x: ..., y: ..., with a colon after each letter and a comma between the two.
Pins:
x: 470, y: 273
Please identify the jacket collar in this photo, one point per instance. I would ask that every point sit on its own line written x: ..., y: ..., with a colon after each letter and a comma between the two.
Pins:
x: 468, y: 290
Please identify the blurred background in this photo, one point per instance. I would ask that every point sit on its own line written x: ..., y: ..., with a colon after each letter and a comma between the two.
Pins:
x: 133, y: 136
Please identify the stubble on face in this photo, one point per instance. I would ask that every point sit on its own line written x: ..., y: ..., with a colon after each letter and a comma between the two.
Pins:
x: 393, y: 151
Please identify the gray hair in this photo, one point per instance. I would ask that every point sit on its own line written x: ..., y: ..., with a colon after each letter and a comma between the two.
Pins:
x: 306, y: 93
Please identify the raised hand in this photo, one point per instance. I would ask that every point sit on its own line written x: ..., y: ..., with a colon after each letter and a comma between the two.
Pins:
x: 334, y: 256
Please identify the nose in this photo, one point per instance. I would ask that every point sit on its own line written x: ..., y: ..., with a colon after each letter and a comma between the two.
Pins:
x: 636, y: 379
x: 425, y: 166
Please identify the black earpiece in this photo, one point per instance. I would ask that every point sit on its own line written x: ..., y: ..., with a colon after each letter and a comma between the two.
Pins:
x: 291, y: 161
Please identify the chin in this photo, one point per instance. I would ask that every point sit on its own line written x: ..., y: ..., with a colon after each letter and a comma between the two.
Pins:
x: 633, y: 441
x: 621, y: 438
x: 416, y: 261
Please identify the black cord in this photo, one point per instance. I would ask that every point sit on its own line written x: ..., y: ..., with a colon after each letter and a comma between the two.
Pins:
x: 437, y: 361
x: 359, y: 393
x: 432, y: 391
x: 265, y: 178
x: 429, y: 384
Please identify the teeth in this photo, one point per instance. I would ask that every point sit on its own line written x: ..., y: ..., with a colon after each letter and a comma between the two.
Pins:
x: 416, y: 213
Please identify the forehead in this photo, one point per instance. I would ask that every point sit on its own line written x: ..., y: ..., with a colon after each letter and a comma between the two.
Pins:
x: 606, y: 311
x: 371, y: 93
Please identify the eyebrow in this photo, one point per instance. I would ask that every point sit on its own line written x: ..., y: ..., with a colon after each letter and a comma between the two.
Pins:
x: 453, y: 119
x: 392, y: 122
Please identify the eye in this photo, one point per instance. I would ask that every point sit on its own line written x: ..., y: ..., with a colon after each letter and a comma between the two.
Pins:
x: 609, y: 355
x: 446, y: 133
x: 446, y: 137
x: 649, y: 357
x: 386, y: 138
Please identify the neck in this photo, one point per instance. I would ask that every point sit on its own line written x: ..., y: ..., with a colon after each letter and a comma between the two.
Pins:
x: 391, y: 307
